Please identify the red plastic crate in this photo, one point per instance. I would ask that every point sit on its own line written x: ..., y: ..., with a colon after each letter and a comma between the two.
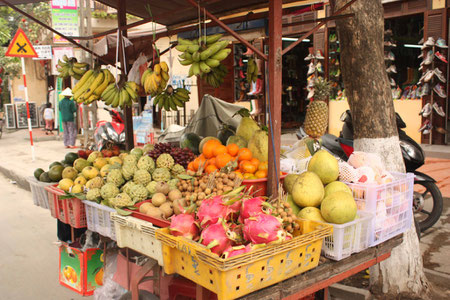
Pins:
x: 259, y: 185
x: 70, y: 211
x: 155, y: 221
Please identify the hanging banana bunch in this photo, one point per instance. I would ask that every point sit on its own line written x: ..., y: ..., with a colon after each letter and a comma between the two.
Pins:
x: 216, y: 76
x: 91, y: 85
x: 121, y: 95
x: 202, y: 54
x: 155, y: 81
x: 252, y: 70
x: 171, y: 99
x: 71, y: 67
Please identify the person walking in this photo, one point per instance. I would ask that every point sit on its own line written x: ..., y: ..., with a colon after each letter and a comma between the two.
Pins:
x: 48, y: 117
x: 67, y: 107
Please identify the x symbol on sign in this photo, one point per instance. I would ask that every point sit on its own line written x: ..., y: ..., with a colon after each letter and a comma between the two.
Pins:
x: 21, y: 48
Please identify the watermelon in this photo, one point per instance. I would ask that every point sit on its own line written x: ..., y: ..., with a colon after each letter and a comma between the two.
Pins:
x: 225, y: 132
x: 191, y: 141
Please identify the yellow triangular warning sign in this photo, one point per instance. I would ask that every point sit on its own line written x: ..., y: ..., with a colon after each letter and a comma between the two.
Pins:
x: 20, y: 46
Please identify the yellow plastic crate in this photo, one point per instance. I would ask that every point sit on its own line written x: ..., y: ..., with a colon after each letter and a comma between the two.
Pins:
x: 240, y: 275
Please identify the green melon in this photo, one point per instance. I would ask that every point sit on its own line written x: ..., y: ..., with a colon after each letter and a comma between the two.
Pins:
x: 55, y: 163
x: 70, y: 158
x: 37, y: 173
x: 55, y: 173
x: 44, y: 177
x: 191, y: 141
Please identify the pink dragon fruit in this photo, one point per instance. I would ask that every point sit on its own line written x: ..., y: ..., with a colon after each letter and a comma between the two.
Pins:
x: 216, y: 238
x: 235, y: 233
x: 184, y: 225
x: 264, y: 229
x: 211, y: 210
x: 234, y: 210
x: 236, y: 250
x: 253, y: 207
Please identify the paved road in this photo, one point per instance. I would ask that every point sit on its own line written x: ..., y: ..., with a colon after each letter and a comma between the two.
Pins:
x: 28, y: 257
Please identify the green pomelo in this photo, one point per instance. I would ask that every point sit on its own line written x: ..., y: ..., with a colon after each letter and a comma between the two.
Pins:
x: 295, y: 208
x: 336, y: 186
x: 288, y: 182
x: 247, y: 128
x: 325, y: 166
x: 338, y: 208
x: 311, y: 213
x: 308, y: 190
x: 259, y: 145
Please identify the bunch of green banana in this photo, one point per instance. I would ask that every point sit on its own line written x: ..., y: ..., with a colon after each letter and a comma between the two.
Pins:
x: 91, y: 85
x: 202, y: 54
x: 121, y: 95
x: 252, y: 70
x: 71, y: 67
x: 216, y: 76
x: 171, y: 99
x: 155, y: 81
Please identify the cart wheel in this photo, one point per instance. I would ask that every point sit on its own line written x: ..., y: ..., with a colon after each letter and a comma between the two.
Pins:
x: 143, y: 295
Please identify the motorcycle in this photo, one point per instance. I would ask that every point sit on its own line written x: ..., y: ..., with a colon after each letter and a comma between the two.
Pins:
x: 413, y: 157
x: 110, y: 133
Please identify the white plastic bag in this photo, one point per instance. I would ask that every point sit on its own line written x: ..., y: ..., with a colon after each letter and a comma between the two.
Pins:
x: 110, y: 290
x: 134, y: 74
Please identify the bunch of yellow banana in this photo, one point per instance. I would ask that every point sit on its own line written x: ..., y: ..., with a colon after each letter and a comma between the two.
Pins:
x: 216, y: 76
x: 91, y: 85
x: 71, y: 67
x: 203, y: 54
x: 252, y: 70
x: 155, y: 81
x: 171, y: 98
x: 121, y: 95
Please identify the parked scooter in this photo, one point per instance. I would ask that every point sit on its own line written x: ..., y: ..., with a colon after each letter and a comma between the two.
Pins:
x: 112, y: 132
x: 427, y: 205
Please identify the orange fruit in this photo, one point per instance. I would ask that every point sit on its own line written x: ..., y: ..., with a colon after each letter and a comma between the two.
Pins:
x: 190, y: 166
x: 201, y: 162
x: 211, y: 161
x: 261, y: 174
x: 248, y: 167
x: 222, y: 160
x: 241, y: 164
x: 209, y: 147
x: 245, y: 154
x: 211, y: 168
x: 219, y: 150
x: 196, y: 164
x: 233, y: 149
x: 263, y: 166
x: 255, y: 162
x: 239, y: 174
x: 249, y: 176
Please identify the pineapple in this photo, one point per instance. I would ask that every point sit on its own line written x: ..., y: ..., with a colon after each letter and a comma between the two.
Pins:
x: 316, y: 120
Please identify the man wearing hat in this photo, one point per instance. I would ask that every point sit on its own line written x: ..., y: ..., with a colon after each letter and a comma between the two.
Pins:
x: 67, y: 107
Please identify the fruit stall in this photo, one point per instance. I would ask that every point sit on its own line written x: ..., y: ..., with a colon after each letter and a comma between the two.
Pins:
x: 224, y: 216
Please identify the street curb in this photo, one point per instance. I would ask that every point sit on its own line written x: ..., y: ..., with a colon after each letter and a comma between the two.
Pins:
x: 340, y: 291
x: 437, y: 277
x: 20, y: 180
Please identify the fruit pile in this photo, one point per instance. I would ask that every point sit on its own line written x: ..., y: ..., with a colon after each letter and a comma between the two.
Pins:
x: 318, y: 187
x: 181, y: 156
x: 71, y: 67
x: 55, y: 169
x: 164, y: 203
x: 155, y: 81
x: 232, y: 224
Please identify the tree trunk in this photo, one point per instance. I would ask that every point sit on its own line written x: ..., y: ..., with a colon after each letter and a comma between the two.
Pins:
x: 369, y: 95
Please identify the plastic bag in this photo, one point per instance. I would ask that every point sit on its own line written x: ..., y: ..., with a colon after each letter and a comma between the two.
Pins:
x: 135, y: 74
x: 110, y: 290
x: 90, y: 240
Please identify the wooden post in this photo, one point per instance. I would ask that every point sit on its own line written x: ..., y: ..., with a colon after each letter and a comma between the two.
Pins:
x: 122, y: 21
x: 275, y: 60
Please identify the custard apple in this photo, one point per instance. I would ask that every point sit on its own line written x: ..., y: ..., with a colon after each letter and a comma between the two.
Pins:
x: 95, y: 182
x: 148, y: 147
x: 128, y: 171
x: 93, y: 194
x: 146, y: 163
x: 121, y: 200
x: 130, y: 160
x: 142, y: 177
x: 127, y: 187
x: 138, y: 193
x: 161, y: 174
x: 177, y: 170
x: 109, y: 190
x: 115, y: 176
x: 151, y: 188
x: 173, y: 184
x: 165, y: 160
x: 138, y: 152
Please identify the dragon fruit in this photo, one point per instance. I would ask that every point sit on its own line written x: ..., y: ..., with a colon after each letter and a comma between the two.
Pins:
x: 236, y: 250
x: 264, y: 229
x: 211, y: 210
x: 234, y: 210
x: 253, y: 207
x: 216, y: 238
x: 184, y: 225
x: 236, y: 234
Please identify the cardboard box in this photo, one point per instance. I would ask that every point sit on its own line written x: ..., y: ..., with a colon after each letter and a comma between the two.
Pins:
x: 80, y: 271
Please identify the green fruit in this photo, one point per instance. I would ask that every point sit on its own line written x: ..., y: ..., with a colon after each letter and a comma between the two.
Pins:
x: 70, y: 173
x: 308, y: 190
x: 55, y: 173
x: 65, y: 184
x: 37, y: 173
x: 44, y: 177
x: 191, y: 141
x: 288, y: 182
x: 80, y: 163
x: 55, y: 163
x: 137, y: 152
x: 225, y: 132
x: 338, y: 208
x: 337, y: 186
x: 247, y: 127
x: 259, y: 145
x: 203, y: 142
x: 311, y: 213
x: 70, y: 158
x: 295, y: 208
x: 238, y: 140
x: 325, y: 166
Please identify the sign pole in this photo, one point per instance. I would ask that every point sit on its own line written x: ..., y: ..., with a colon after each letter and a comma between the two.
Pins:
x: 28, y: 108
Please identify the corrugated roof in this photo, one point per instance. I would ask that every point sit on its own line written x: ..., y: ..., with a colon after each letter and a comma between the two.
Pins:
x: 17, y: 2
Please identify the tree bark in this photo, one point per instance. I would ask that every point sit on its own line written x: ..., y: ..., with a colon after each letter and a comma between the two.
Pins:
x: 369, y: 95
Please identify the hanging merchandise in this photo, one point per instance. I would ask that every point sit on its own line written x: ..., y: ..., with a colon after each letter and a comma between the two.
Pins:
x: 252, y: 70
x: 155, y: 80
x: 71, y: 67
x: 216, y: 76
x: 171, y: 99
x: 391, y: 69
x: 121, y: 94
x: 91, y: 85
x: 316, y: 119
x: 334, y: 71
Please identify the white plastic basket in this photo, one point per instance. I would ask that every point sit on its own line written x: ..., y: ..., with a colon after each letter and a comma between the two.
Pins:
x: 391, y: 203
x: 99, y: 220
x: 38, y: 192
x: 138, y: 235
x: 348, y: 238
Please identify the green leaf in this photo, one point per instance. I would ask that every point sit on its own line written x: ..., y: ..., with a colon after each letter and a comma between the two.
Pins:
x: 123, y: 212
x: 132, y: 208
x: 185, y: 176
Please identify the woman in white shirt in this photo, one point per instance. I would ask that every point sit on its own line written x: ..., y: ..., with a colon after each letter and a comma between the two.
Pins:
x: 49, y: 117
